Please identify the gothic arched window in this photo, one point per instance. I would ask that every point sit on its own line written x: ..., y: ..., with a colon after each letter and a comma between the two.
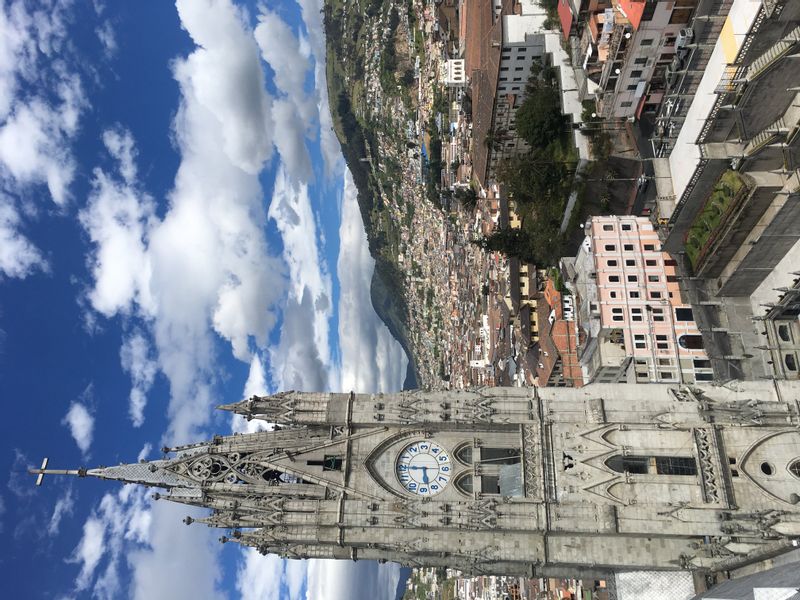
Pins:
x: 464, y: 484
x: 652, y: 465
x: 464, y: 454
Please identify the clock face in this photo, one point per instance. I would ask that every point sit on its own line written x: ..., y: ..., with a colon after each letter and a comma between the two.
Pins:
x: 424, y: 468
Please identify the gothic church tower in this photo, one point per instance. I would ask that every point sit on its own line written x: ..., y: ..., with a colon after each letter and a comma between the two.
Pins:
x: 537, y: 482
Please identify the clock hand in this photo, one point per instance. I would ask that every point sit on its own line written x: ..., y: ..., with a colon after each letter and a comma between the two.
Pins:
x: 424, y: 474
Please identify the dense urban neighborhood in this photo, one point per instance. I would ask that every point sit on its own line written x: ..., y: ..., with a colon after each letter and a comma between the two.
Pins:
x: 560, y: 192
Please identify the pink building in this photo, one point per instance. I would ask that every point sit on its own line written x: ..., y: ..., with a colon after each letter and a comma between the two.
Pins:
x: 638, y: 326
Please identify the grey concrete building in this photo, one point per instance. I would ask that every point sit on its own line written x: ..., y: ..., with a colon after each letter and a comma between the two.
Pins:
x: 526, y: 481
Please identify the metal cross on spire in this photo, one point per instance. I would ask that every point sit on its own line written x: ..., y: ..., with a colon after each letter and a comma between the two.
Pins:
x: 41, y: 472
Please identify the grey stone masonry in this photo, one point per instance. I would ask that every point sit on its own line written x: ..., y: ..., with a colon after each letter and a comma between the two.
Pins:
x: 525, y: 481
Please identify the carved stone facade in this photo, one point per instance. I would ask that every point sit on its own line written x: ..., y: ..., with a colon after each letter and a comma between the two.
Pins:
x: 537, y: 482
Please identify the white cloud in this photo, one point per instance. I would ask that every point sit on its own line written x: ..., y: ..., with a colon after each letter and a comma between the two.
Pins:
x: 295, y: 112
x: 295, y: 576
x: 329, y: 144
x: 89, y: 551
x: 180, y: 563
x: 64, y: 507
x: 119, y: 143
x: 226, y: 79
x: 205, y: 267
x: 258, y: 577
x: 81, y: 426
x: 41, y: 100
x: 105, y: 33
x: 372, y: 360
x: 117, y: 218
x: 18, y: 256
x: 309, y: 280
x: 335, y: 579
x: 137, y: 362
x: 256, y: 384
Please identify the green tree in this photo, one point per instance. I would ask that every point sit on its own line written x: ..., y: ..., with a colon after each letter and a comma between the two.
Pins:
x: 539, y: 120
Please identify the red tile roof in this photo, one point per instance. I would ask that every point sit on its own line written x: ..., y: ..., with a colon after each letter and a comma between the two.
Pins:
x: 565, y: 16
x: 557, y: 340
x: 483, y: 45
x: 633, y: 9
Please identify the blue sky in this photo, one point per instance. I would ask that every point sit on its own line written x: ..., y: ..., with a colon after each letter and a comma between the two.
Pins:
x: 177, y: 230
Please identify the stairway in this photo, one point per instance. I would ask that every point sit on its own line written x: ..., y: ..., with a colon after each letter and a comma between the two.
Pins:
x: 760, y: 65
x: 786, y: 127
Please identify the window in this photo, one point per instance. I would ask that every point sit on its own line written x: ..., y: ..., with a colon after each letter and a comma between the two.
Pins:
x: 670, y: 263
x: 500, y: 456
x: 518, y: 68
x: 329, y: 463
x: 610, y: 247
x: 642, y: 60
x: 642, y: 375
x: 464, y: 484
x: 655, y: 295
x: 651, y: 262
x: 608, y: 228
x: 613, y: 278
x: 626, y: 227
x: 661, y: 337
x: 637, y: 465
x: 672, y: 279
x: 633, y: 294
x: 684, y: 314
x: 676, y: 465
x: 649, y: 247
x: 504, y: 68
x: 665, y: 374
x: 653, y: 278
x: 517, y: 78
x: 626, y: 104
x: 664, y: 362
x: 794, y: 468
x: 640, y: 345
x: 611, y: 263
x: 790, y: 362
x: 630, y: 262
x: 612, y: 294
x: 628, y: 247
x: 617, y: 318
x: 636, y: 73
x: 704, y: 376
x: 638, y: 337
x: 653, y: 465
x: 783, y: 333
x: 632, y: 86
x: 633, y: 278
x: 464, y: 454
x: 616, y: 311
x: 691, y: 342
x: 702, y: 363
x: 490, y: 484
x: 647, y: 42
